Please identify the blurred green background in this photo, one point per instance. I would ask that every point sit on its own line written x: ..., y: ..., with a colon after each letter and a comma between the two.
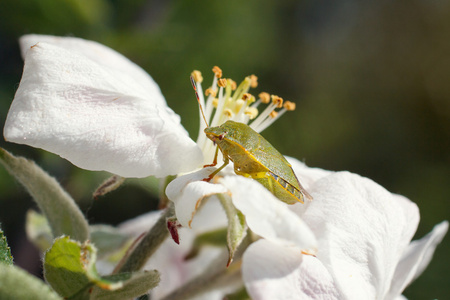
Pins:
x: 371, y: 80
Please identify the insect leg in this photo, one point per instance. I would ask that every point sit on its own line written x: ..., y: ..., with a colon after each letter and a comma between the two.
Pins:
x: 226, y: 161
x: 215, y: 159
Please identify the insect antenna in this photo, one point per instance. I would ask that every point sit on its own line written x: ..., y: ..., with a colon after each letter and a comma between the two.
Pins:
x: 194, y: 85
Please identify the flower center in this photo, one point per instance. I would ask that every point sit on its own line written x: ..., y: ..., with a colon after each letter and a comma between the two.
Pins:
x: 227, y: 101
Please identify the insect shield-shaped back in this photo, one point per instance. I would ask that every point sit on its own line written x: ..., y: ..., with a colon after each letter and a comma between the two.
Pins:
x: 253, y: 156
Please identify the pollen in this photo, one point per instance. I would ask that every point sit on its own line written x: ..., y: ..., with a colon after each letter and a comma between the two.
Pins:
x: 197, y: 75
x: 247, y: 96
x: 217, y: 71
x: 228, y: 113
x: 253, y: 81
x: 278, y: 101
x: 210, y: 91
x: 273, y: 114
x: 238, y: 105
x: 288, y: 105
x: 215, y: 102
x: 265, y: 97
x: 222, y: 82
x: 232, y: 84
x: 251, y: 112
x: 225, y: 100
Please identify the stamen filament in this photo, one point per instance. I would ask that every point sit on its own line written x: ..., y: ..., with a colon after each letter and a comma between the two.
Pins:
x: 242, y: 89
x: 262, y: 117
x: 226, y: 102
x: 269, y: 121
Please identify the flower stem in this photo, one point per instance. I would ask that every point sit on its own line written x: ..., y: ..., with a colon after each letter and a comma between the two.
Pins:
x: 149, y: 243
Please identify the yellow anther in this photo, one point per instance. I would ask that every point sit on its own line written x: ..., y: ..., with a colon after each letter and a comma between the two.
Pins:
x: 253, y: 81
x: 278, y: 101
x: 197, y: 75
x: 251, y: 112
x: 288, y: 105
x: 217, y: 71
x: 265, y: 97
x: 232, y: 83
x: 247, y: 96
x: 238, y: 105
x: 215, y: 102
x: 228, y: 113
x: 273, y: 114
x: 222, y: 82
x: 210, y: 91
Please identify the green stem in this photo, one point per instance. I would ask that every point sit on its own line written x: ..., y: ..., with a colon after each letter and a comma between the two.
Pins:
x: 149, y: 243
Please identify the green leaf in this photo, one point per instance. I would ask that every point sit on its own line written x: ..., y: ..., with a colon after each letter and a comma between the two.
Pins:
x: 16, y: 284
x: 5, y: 253
x: 63, y: 215
x: 237, y: 228
x: 69, y: 267
x: 38, y: 231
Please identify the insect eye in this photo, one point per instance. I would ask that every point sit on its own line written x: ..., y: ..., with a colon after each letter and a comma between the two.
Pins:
x: 222, y: 136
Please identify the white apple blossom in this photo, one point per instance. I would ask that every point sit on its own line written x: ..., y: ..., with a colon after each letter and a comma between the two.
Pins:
x: 92, y: 106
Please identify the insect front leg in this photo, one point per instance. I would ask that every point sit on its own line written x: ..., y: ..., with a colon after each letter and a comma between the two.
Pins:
x: 226, y: 161
x: 214, y: 163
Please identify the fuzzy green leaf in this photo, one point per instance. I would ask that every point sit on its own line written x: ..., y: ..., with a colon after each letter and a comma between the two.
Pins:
x: 5, y: 253
x: 237, y: 228
x: 69, y: 267
x: 16, y: 283
x: 64, y: 216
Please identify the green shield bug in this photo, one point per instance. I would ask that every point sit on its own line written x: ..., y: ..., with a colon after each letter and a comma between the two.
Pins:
x: 254, y: 157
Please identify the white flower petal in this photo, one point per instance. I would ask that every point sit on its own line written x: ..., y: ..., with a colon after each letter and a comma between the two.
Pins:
x: 72, y: 106
x: 266, y: 215
x: 139, y: 83
x: 272, y: 271
x: 362, y: 231
x: 416, y: 258
x: 188, y: 191
x: 306, y: 175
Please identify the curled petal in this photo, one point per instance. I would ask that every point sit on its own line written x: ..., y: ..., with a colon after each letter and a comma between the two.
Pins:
x: 272, y: 271
x: 71, y: 105
x: 187, y: 193
x: 362, y: 229
x: 267, y: 216
x: 416, y: 258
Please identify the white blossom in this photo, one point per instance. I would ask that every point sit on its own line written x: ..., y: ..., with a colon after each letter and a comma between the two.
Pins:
x: 90, y: 105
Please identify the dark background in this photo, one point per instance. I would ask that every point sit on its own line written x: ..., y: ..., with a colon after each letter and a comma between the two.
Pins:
x: 371, y: 80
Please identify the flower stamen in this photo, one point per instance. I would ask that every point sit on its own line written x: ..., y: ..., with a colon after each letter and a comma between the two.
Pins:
x: 225, y: 102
